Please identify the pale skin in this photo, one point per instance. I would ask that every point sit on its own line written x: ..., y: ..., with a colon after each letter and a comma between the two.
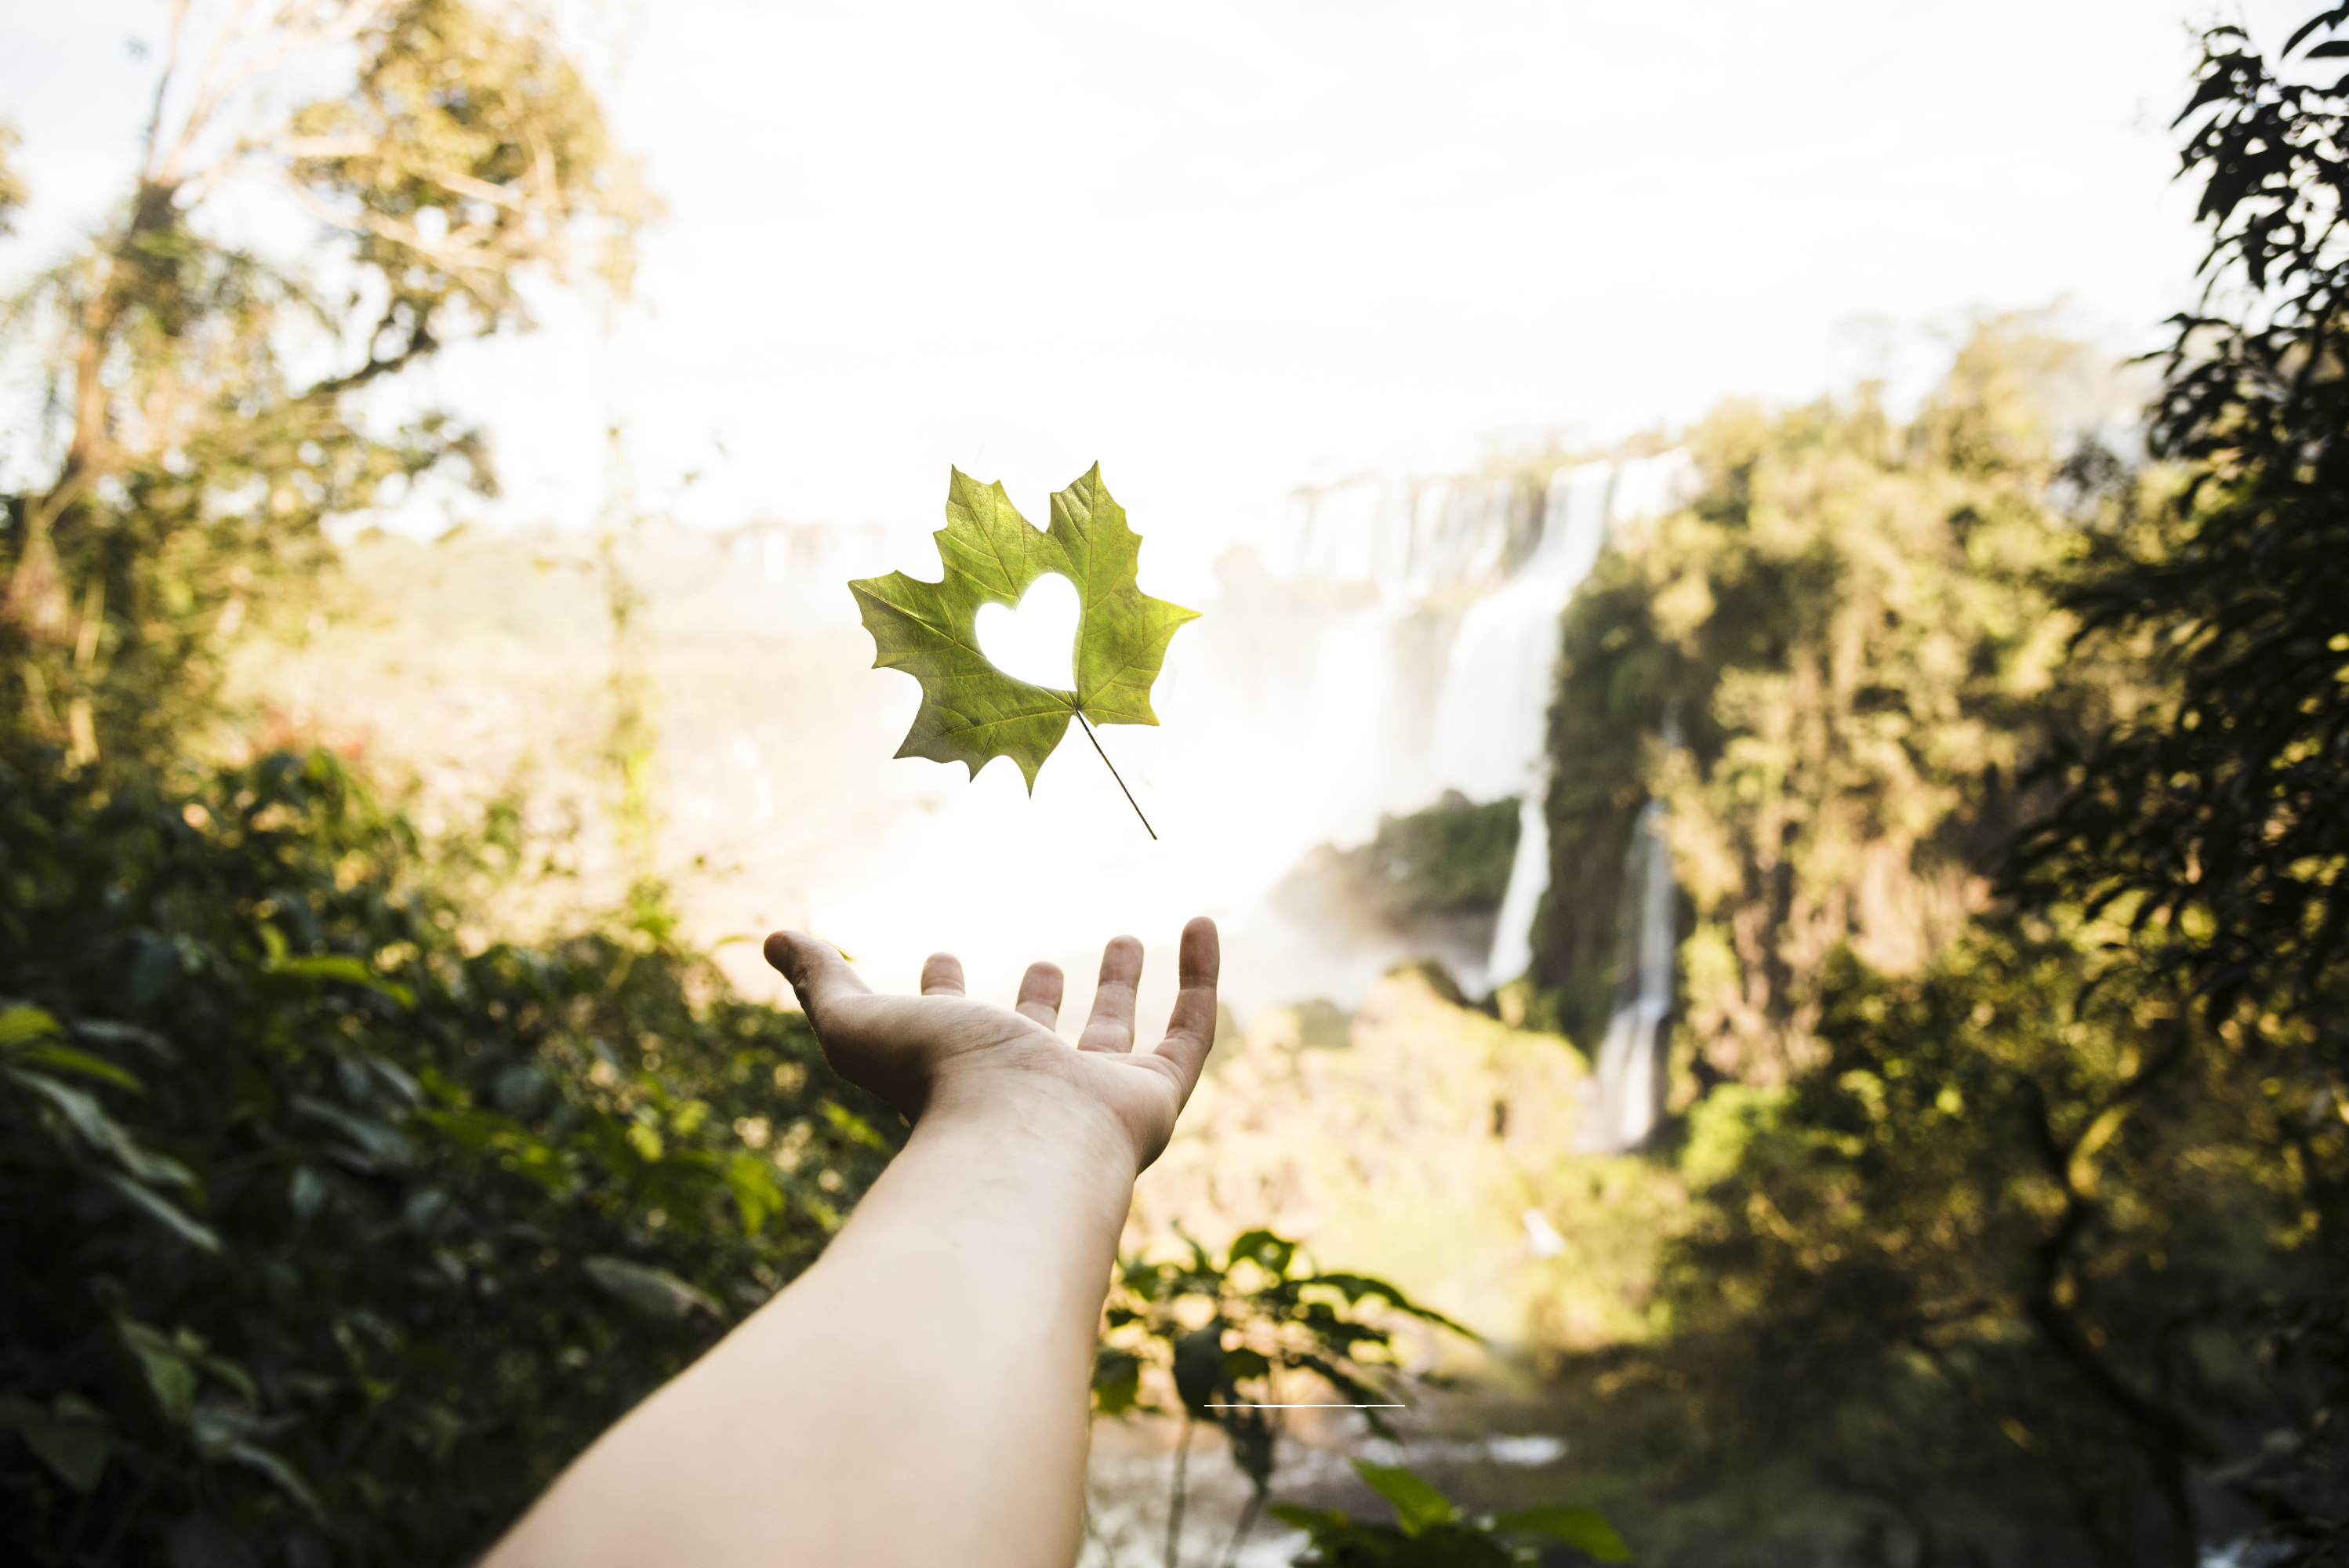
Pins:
x: 918, y: 1396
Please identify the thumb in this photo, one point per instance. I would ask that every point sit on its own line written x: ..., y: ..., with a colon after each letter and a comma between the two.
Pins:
x: 820, y: 976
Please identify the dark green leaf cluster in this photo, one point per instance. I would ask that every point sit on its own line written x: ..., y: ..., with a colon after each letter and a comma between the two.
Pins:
x: 2003, y: 1242
x: 1843, y: 651
x: 1224, y: 1331
x: 2224, y: 823
x: 2217, y: 825
x: 1430, y: 1531
x: 2010, y: 1239
x: 328, y: 1239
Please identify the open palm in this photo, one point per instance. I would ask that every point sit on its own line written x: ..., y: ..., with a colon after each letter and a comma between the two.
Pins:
x: 942, y: 1049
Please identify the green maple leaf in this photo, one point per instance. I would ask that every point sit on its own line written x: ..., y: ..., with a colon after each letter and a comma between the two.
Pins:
x: 971, y: 712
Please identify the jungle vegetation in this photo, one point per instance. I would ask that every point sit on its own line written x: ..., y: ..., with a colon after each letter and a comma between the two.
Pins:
x: 333, y: 1223
x: 2005, y: 783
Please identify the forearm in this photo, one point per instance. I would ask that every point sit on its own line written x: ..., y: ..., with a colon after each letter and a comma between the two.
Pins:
x: 917, y: 1396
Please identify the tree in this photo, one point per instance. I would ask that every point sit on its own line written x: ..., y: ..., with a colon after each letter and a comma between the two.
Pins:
x: 193, y: 458
x: 329, y: 1237
x: 1849, y: 632
x: 11, y: 186
x: 1999, y: 1239
x: 2219, y: 825
x: 331, y: 1230
x: 1983, y: 1270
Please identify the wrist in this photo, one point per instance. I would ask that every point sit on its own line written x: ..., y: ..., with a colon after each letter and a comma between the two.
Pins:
x: 1030, y: 1114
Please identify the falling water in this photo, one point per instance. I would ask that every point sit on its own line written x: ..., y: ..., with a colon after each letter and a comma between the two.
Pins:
x: 1411, y: 542
x: 1627, y: 1097
x: 1585, y: 504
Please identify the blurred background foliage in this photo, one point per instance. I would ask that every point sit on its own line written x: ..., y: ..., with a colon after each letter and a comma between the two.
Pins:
x: 2004, y: 784
x: 331, y: 1240
x: 2001, y: 1216
x: 334, y: 1226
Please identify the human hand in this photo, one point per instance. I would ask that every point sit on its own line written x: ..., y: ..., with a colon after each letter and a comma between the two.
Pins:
x: 942, y: 1054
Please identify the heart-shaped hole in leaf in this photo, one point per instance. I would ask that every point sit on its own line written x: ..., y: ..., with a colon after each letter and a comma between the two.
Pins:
x: 1038, y: 642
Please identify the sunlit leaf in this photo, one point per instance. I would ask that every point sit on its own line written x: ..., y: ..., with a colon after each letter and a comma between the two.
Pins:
x: 1584, y: 1529
x: 1417, y: 1504
x: 20, y: 1024
x: 351, y: 971
x: 972, y: 712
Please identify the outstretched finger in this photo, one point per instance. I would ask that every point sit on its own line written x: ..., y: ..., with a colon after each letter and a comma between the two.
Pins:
x: 941, y: 976
x: 1040, y: 993
x: 1191, y: 1028
x: 820, y: 976
x: 1111, y: 1026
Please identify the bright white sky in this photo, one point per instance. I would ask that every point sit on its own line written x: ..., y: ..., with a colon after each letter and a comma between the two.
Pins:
x: 1226, y: 246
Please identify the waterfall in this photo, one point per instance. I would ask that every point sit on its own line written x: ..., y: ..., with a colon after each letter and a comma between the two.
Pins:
x: 1585, y: 504
x: 1627, y: 1097
x: 1414, y: 544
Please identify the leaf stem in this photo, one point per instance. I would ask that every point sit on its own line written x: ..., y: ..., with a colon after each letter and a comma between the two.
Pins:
x: 1114, y: 773
x: 1182, y: 1462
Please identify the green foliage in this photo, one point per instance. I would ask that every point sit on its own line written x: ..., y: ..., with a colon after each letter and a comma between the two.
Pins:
x: 328, y: 1239
x: 189, y: 464
x: 2217, y: 824
x: 2000, y: 1240
x: 1218, y: 1335
x: 463, y: 152
x: 1850, y: 636
x: 2006, y: 1241
x: 1430, y: 1531
x: 329, y: 1236
x: 1432, y: 874
x: 971, y: 712
x: 2222, y: 822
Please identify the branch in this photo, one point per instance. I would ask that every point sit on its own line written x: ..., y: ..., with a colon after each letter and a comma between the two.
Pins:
x: 2172, y: 1432
x: 420, y: 343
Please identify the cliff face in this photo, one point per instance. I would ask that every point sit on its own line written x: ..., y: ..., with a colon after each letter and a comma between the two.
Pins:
x: 1831, y: 668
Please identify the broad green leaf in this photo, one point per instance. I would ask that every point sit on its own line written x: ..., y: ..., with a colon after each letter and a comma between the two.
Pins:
x: 288, y: 1480
x: 1584, y: 1529
x: 1357, y: 1286
x: 654, y: 1292
x: 108, y: 1032
x: 169, y: 1363
x: 1199, y: 1367
x: 1417, y: 1504
x: 1117, y: 1381
x: 68, y: 1441
x: 757, y: 1191
x: 1265, y: 1249
x: 374, y: 1145
x: 65, y: 1059
x: 352, y: 971
x: 852, y: 1127
x: 157, y: 1207
x: 20, y: 1024
x: 971, y: 712
x: 102, y: 1131
x: 1315, y: 1521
